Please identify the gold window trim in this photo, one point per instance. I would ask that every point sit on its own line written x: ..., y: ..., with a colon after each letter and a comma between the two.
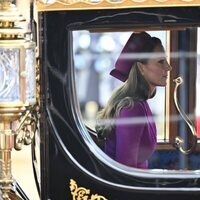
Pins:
x: 110, y: 4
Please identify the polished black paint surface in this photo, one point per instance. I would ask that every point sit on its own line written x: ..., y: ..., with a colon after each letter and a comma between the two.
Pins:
x: 62, y: 144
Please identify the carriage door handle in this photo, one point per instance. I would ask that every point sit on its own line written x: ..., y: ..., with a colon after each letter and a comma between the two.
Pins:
x: 179, y: 142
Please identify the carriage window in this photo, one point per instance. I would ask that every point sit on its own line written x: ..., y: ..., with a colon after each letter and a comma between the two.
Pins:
x: 175, y: 108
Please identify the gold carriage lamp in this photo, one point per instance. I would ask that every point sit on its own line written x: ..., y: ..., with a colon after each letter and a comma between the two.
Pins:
x: 17, y: 90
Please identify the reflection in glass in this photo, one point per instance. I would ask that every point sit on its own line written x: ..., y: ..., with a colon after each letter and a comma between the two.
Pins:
x: 198, y: 86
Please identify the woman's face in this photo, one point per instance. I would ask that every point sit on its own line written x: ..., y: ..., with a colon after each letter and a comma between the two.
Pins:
x: 155, y: 71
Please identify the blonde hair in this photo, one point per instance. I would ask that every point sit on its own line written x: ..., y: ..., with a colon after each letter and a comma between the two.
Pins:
x: 134, y: 89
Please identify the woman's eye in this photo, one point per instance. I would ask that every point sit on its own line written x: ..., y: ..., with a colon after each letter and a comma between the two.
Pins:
x: 161, y: 61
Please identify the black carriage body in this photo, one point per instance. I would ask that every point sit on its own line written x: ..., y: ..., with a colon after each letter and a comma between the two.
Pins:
x: 66, y: 155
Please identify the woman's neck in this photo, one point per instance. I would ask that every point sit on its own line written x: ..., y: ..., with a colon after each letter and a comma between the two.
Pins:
x: 152, y: 91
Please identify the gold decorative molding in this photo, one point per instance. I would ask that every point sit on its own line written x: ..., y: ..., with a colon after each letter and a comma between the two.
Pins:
x: 56, y: 5
x: 79, y: 193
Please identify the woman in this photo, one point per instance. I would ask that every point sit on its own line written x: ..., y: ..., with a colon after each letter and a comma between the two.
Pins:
x: 131, y: 140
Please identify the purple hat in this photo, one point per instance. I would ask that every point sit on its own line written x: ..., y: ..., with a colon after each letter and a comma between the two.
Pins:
x: 135, y: 44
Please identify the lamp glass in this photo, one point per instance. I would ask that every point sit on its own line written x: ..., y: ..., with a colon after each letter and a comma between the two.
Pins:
x: 30, y: 74
x: 9, y: 75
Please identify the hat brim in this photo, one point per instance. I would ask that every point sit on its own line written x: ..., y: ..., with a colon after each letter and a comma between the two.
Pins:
x: 117, y: 74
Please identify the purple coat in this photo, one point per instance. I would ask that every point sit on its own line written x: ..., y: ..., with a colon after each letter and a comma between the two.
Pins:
x: 133, y: 142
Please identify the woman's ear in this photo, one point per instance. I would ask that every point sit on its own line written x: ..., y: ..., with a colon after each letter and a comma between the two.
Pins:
x: 141, y: 67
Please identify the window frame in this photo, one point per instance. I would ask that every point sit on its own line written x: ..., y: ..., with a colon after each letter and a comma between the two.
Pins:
x: 171, y: 126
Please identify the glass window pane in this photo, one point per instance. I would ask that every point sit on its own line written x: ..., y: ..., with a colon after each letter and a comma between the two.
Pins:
x: 95, y: 54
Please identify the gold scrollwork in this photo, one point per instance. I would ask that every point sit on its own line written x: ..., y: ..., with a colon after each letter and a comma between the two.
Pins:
x: 81, y: 193
x: 97, y: 1
x: 27, y: 127
x: 43, y: 5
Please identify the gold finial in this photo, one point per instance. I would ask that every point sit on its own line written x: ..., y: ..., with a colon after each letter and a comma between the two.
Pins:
x: 9, y: 17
